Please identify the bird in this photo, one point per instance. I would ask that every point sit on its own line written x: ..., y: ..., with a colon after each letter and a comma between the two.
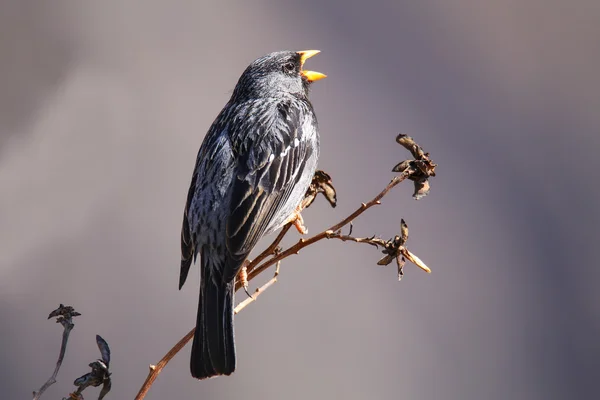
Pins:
x: 252, y: 171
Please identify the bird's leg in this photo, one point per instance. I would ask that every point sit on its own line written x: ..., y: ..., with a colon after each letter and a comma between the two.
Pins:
x: 298, y: 221
x: 299, y: 224
x: 243, y: 277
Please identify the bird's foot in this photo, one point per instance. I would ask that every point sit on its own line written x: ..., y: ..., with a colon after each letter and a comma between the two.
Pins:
x: 243, y: 277
x: 298, y: 222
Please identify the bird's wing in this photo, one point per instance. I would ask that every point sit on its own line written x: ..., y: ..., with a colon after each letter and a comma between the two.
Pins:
x: 214, y: 156
x: 187, y: 246
x: 271, y: 158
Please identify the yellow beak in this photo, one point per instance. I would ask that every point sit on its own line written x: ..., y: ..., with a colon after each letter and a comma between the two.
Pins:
x: 311, y: 76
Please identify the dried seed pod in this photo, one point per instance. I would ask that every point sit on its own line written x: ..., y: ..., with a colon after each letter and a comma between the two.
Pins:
x: 422, y: 188
x: 99, y: 375
x: 415, y: 260
x: 321, y: 183
x: 386, y: 260
x: 400, y: 262
x: 401, y: 167
x: 403, y: 232
x: 409, y: 144
x: 104, y: 350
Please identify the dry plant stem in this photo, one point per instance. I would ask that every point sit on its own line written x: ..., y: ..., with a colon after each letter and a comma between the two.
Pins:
x: 255, y: 267
x: 156, y: 369
x: 258, y: 291
x: 375, y: 242
x: 63, y: 348
x: 271, y: 249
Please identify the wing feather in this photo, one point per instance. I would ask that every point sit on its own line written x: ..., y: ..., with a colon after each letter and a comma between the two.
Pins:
x: 267, y: 175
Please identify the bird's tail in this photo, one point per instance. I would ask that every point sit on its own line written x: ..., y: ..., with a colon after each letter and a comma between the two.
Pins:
x: 213, y: 349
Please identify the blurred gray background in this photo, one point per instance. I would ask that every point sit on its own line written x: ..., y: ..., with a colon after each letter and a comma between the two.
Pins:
x: 103, y: 105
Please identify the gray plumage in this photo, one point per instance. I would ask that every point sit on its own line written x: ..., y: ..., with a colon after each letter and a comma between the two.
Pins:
x: 252, y: 171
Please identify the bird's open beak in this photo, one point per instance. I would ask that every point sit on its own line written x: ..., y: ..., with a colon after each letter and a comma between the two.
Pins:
x: 311, y: 76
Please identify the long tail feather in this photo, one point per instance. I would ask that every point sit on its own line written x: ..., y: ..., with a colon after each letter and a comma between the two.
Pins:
x: 213, y: 349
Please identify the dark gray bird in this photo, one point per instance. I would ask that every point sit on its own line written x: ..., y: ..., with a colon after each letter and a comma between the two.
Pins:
x: 252, y: 171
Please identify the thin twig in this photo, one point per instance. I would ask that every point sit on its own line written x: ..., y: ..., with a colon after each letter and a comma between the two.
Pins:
x: 272, y: 247
x: 65, y: 316
x: 155, y: 369
x: 373, y: 241
x: 258, y: 291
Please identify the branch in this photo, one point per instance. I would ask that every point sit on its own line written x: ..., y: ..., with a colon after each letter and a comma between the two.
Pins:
x: 65, y: 315
x: 272, y: 247
x: 156, y: 369
x: 259, y: 291
x: 418, y: 170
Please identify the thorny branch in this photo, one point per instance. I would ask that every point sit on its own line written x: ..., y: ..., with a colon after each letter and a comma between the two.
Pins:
x: 65, y: 315
x: 418, y: 170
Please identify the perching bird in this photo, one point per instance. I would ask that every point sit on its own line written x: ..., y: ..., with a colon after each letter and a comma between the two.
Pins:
x: 252, y: 171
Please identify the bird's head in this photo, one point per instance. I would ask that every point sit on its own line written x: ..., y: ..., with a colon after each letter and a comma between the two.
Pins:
x: 277, y: 73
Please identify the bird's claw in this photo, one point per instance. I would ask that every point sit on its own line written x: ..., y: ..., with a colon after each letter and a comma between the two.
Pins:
x: 300, y: 227
x: 243, y: 277
x: 299, y: 223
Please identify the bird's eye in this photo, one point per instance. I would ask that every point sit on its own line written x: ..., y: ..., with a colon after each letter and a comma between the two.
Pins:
x: 289, y: 67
